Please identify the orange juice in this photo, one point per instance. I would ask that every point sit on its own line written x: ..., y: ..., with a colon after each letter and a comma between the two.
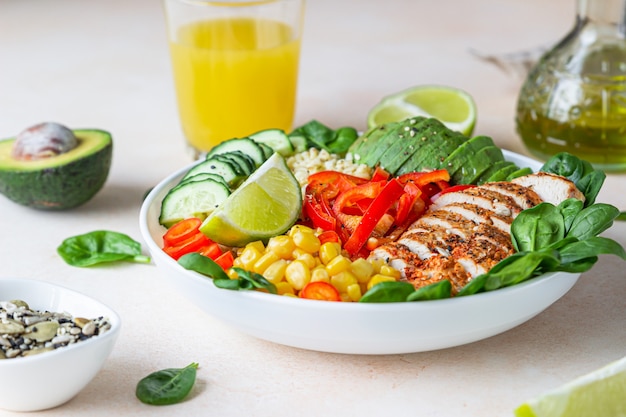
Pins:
x: 233, y: 77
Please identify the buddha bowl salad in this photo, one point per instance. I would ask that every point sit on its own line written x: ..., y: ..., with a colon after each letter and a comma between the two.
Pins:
x: 407, y: 211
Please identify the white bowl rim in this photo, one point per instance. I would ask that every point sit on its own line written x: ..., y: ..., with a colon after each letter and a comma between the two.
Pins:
x: 113, y: 318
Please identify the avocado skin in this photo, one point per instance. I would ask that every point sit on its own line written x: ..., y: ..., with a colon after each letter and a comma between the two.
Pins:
x: 60, y: 187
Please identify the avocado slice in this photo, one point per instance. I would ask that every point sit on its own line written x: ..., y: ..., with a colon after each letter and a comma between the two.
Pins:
x: 502, y: 173
x: 57, y: 182
x: 413, y: 142
x: 492, y: 170
x: 465, y: 152
x: 373, y: 154
x: 438, y: 142
x: 369, y: 140
x: 473, y: 167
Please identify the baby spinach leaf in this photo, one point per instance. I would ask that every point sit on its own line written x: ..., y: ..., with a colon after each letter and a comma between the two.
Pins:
x: 569, y: 209
x: 593, y: 220
x: 435, y: 291
x: 203, y: 265
x: 590, y: 185
x: 591, y: 247
x: 100, y: 246
x: 167, y: 386
x: 388, y: 292
x: 248, y: 280
x: 537, y: 227
x: 323, y: 137
x: 565, y: 165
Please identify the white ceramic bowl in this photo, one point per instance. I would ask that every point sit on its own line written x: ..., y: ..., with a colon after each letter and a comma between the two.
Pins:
x: 353, y: 327
x: 52, y: 378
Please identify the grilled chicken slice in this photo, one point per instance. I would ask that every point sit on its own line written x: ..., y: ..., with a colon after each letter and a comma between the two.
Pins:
x: 465, y: 233
x: 549, y: 187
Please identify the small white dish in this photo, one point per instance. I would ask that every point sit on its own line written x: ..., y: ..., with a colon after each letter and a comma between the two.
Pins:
x: 355, y: 328
x: 49, y: 379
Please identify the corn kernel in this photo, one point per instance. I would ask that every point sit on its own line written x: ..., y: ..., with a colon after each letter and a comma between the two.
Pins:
x: 390, y: 271
x: 275, y: 272
x: 282, y: 246
x: 298, y: 228
x: 354, y: 292
x: 342, y: 280
x: 297, y: 274
x: 258, y: 245
x: 283, y: 288
x: 290, y: 294
x: 264, y: 261
x: 345, y: 297
x: 362, y: 270
x: 308, y: 259
x: 328, y: 251
x: 306, y: 241
x: 338, y: 264
x: 377, y: 263
x: 238, y: 263
x: 232, y: 274
x: 249, y: 256
x: 320, y: 274
x: 377, y: 279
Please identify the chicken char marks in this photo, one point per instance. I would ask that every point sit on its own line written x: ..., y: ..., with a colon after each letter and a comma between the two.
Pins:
x: 465, y: 233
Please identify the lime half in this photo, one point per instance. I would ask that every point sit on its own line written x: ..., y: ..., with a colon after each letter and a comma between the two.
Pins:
x: 453, y: 107
x: 599, y: 393
x: 267, y: 204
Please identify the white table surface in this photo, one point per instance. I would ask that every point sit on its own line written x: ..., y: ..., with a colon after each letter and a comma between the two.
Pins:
x: 106, y: 65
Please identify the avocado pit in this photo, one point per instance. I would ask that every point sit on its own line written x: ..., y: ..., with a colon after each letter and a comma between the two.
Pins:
x: 43, y: 140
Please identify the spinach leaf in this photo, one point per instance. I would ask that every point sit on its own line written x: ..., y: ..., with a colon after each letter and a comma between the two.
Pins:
x: 621, y: 216
x: 591, y: 247
x: 593, y: 220
x: 537, y: 227
x: 435, y: 291
x: 167, y: 386
x: 247, y: 280
x: 100, y: 246
x: 590, y: 186
x: 202, y: 264
x: 521, y: 269
x: 569, y: 209
x: 565, y: 165
x: 321, y: 136
x: 388, y: 292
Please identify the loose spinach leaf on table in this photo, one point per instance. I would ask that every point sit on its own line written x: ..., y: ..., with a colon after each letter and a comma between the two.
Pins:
x: 167, y: 386
x: 321, y: 136
x: 100, y: 246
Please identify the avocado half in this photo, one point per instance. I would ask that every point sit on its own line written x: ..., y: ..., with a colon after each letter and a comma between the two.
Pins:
x: 58, y: 182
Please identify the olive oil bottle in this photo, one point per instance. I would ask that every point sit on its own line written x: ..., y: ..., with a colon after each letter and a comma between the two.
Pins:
x: 574, y: 99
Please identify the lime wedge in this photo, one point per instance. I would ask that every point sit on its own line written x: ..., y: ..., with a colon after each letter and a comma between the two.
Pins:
x: 266, y: 204
x: 599, y: 393
x: 453, y: 107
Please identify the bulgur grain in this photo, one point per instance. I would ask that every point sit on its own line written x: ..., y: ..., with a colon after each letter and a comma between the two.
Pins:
x: 314, y: 160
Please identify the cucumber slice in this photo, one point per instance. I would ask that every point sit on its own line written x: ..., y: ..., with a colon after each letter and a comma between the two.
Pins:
x: 267, y: 151
x: 192, y: 199
x: 276, y: 139
x: 226, y: 157
x: 221, y: 168
x: 245, y: 161
x: 204, y: 176
x: 299, y: 143
x: 245, y: 145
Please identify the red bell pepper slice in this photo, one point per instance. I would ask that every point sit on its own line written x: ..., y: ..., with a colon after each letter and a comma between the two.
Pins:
x: 225, y: 260
x: 424, y: 178
x: 389, y: 194
x: 319, y: 213
x: 212, y: 250
x: 192, y: 244
x: 328, y: 236
x: 320, y: 290
x: 182, y: 230
x: 406, y: 202
x: 380, y: 175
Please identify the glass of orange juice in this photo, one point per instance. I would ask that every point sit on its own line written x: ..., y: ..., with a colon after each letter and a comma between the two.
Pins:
x: 235, y: 66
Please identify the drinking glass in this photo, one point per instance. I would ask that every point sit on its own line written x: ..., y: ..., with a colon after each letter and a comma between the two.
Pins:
x: 235, y: 66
